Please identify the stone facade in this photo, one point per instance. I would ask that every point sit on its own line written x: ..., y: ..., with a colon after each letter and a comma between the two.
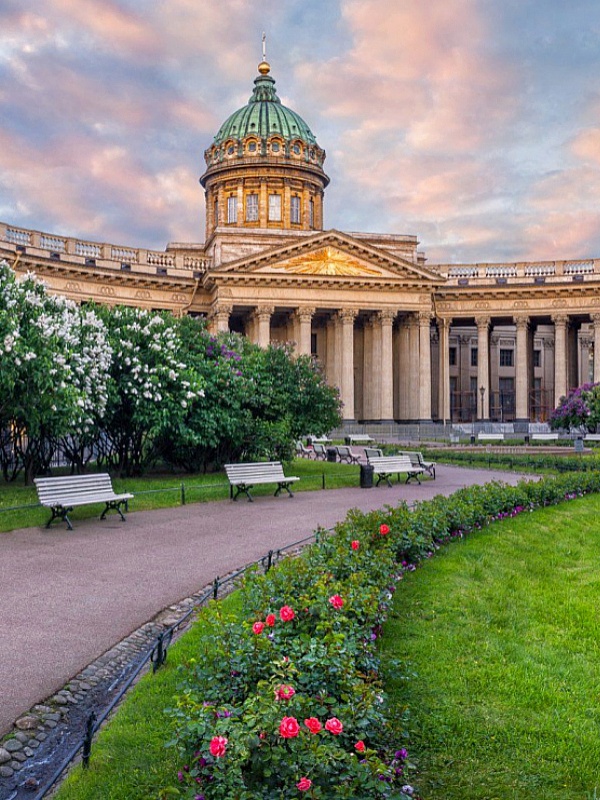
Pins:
x: 403, y: 340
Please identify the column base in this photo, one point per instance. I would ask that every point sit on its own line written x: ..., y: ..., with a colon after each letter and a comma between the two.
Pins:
x: 377, y: 421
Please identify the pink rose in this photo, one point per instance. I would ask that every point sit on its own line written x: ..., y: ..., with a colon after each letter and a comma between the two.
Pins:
x: 303, y: 785
x: 313, y: 724
x: 286, y: 613
x: 355, y: 544
x: 336, y: 601
x: 384, y: 529
x: 360, y: 746
x: 288, y: 727
x: 334, y: 726
x: 258, y: 627
x: 284, y: 692
x: 218, y: 746
x: 270, y: 620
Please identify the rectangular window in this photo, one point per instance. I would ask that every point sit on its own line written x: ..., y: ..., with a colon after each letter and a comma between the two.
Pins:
x: 507, y: 358
x: 295, y: 209
x: 311, y: 213
x: 473, y: 356
x: 232, y: 209
x: 274, y: 208
x: 216, y: 212
x: 252, y: 208
x: 313, y: 344
x: 452, y: 356
x: 537, y: 358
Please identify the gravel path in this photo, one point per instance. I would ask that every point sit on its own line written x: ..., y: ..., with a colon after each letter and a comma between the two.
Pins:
x: 68, y: 596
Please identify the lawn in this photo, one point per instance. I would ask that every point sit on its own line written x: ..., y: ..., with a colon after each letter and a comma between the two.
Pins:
x: 499, y: 660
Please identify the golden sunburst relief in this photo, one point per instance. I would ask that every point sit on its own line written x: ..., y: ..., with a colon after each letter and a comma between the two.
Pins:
x: 327, y: 262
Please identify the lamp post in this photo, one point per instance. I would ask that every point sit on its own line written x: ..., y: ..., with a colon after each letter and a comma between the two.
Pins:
x: 482, y: 393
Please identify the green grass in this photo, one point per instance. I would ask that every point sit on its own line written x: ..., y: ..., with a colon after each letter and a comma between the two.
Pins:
x: 497, y: 641
x: 164, y: 490
x: 129, y: 758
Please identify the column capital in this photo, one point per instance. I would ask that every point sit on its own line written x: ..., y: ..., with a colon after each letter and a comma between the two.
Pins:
x: 424, y: 317
x: 595, y: 318
x: 262, y: 312
x: 483, y: 322
x: 443, y: 323
x: 521, y: 323
x: 220, y: 309
x: 347, y: 314
x: 386, y: 316
x: 560, y: 319
x: 304, y: 314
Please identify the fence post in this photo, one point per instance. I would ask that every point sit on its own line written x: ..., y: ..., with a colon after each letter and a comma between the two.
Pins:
x: 269, y: 561
x: 87, y: 742
x: 215, y: 588
x: 182, y: 493
x: 323, y: 479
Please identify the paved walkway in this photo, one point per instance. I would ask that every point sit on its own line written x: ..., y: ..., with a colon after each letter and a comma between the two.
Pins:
x: 67, y: 597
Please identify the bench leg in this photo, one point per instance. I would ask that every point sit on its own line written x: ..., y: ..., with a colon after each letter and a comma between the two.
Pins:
x: 411, y: 475
x: 242, y: 488
x: 115, y: 506
x: 285, y: 486
x: 62, y: 513
x: 384, y: 477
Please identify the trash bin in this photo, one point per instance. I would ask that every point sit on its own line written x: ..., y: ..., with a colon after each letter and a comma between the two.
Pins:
x: 366, y: 476
x: 331, y: 454
x: 579, y: 444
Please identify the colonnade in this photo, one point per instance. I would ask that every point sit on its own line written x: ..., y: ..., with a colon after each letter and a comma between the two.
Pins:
x: 381, y: 360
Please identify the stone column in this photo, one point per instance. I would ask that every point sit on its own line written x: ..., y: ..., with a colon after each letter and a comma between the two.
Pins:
x: 385, y: 366
x: 596, y: 329
x: 483, y: 366
x: 262, y: 317
x: 331, y: 361
x: 522, y: 369
x: 346, y: 326
x: 303, y: 318
x: 424, y: 366
x: 444, y: 369
x: 370, y: 372
x: 402, y: 369
x: 412, y: 373
x: 263, y: 205
x: 560, y: 356
x: 219, y: 318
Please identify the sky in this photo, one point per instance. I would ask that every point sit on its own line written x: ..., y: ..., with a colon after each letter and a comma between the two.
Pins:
x: 471, y: 124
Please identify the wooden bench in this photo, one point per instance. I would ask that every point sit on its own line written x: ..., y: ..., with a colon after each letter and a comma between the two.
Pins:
x: 320, y: 452
x: 358, y: 438
x: 490, y: 437
x: 373, y: 452
x: 244, y: 477
x: 303, y: 451
x: 346, y: 455
x: 417, y: 460
x: 62, y: 494
x: 544, y: 437
x: 384, y: 467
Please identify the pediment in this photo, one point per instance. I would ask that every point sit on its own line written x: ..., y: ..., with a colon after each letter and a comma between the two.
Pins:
x: 330, y: 255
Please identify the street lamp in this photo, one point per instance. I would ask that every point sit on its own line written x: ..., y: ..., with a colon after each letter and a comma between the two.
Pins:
x: 482, y: 393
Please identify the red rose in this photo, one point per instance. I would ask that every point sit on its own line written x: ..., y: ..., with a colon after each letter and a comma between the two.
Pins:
x: 334, y: 726
x: 288, y: 727
x: 258, y: 627
x: 270, y: 620
x: 284, y: 692
x: 303, y: 785
x: 218, y: 746
x: 336, y: 601
x: 384, y: 529
x: 313, y: 724
x: 355, y: 544
x: 360, y: 746
x: 286, y: 613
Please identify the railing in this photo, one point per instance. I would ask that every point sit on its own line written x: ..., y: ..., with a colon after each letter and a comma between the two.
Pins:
x: 183, y: 258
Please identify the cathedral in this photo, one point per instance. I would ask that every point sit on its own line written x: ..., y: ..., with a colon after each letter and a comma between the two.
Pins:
x: 404, y: 340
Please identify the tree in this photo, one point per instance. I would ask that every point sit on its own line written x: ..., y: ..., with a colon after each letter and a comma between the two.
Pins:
x: 54, y: 361
x: 579, y: 409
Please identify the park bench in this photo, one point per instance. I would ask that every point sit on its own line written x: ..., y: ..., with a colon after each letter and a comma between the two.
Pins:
x: 417, y: 460
x: 544, y: 437
x: 320, y: 452
x: 592, y: 437
x: 244, y: 477
x: 346, y: 455
x: 303, y: 451
x: 62, y: 494
x: 373, y: 452
x: 318, y: 440
x: 384, y: 467
x: 490, y: 437
x: 358, y: 438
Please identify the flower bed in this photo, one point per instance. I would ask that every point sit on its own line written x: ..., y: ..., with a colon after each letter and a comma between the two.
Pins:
x: 289, y: 702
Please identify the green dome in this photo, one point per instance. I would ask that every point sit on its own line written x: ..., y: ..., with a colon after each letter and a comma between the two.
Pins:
x: 265, y: 116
